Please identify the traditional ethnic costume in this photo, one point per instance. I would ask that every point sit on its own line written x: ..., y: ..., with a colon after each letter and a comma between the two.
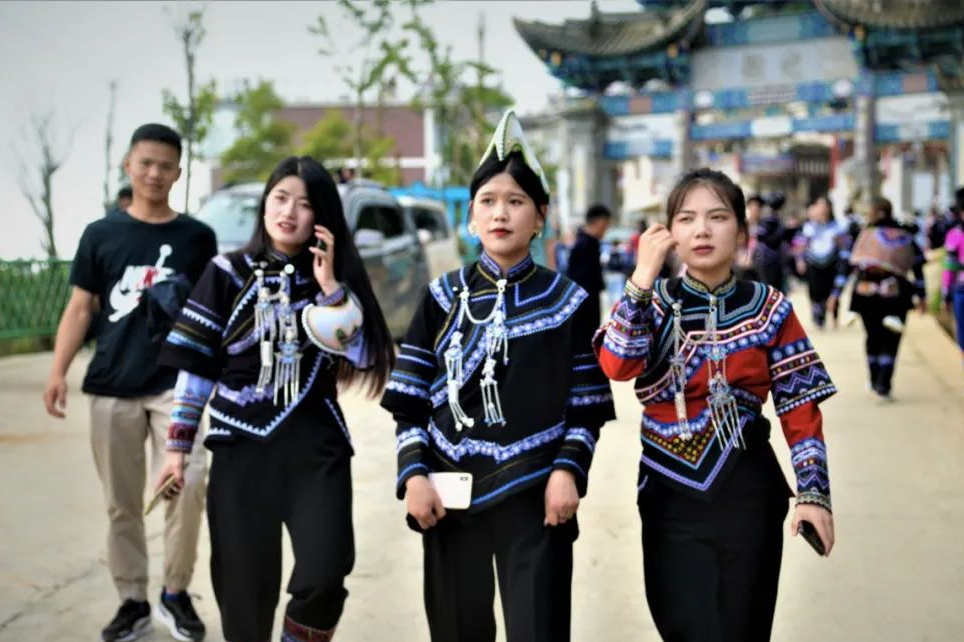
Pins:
x: 260, y: 334
x: 496, y: 378
x: 952, y: 283
x: 711, y: 495
x: 769, y: 251
x: 823, y: 246
x: 882, y: 256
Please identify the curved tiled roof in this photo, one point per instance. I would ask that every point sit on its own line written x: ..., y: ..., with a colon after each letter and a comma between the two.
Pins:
x: 612, y: 34
x: 899, y: 14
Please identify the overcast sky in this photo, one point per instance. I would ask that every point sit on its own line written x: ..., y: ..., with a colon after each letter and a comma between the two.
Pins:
x: 61, y: 56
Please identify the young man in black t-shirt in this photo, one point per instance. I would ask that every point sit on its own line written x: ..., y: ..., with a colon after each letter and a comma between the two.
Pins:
x: 137, y: 266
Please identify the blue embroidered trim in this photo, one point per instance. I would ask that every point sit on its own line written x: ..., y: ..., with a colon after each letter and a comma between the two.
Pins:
x: 200, y: 318
x: 281, y: 416
x: 498, y: 452
x: 409, y: 437
x: 179, y: 339
x: 337, y: 416
x: 569, y: 462
x: 407, y: 389
x: 515, y: 482
x: 581, y: 435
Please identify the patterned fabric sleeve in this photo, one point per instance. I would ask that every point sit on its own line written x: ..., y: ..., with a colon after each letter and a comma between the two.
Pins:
x: 799, y: 382
x: 623, y: 343
x: 590, y: 402
x: 953, y: 250
x: 194, y: 343
x: 191, y: 393
x: 407, y: 393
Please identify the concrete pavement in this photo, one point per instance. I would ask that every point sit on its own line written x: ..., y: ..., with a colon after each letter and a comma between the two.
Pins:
x: 897, y: 572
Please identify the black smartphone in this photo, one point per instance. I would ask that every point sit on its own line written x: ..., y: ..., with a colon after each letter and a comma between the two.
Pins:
x: 321, y: 245
x: 809, y: 533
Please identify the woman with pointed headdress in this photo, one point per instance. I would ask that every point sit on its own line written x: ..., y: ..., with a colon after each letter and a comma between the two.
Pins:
x: 706, y: 350
x: 268, y: 334
x: 499, y: 401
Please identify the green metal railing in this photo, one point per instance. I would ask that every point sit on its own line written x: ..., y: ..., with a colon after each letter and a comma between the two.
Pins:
x: 32, y: 296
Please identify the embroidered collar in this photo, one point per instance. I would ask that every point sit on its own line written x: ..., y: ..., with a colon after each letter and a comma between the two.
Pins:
x: 516, y: 273
x: 722, y: 290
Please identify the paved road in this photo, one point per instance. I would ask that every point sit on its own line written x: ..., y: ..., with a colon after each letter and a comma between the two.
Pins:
x: 897, y: 573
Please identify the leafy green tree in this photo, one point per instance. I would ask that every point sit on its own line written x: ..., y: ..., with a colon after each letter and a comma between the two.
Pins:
x: 330, y: 143
x: 263, y: 139
x: 465, y: 113
x: 329, y: 140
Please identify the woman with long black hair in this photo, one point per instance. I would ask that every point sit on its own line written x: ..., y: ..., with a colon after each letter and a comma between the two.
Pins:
x: 273, y: 330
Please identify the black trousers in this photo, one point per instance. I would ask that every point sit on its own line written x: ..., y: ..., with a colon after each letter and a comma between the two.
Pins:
x: 300, y: 478
x: 820, y: 280
x: 534, y: 566
x: 712, y: 568
x: 881, y: 345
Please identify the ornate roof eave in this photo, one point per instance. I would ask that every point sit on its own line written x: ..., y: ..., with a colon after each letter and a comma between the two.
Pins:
x: 614, y: 34
x: 891, y: 14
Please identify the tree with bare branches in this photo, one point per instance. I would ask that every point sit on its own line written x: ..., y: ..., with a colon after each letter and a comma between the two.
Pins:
x: 380, y: 61
x: 194, y: 117
x: 109, y: 144
x: 36, y: 173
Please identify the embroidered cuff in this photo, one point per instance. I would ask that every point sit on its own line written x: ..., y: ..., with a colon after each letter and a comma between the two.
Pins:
x: 639, y: 295
x: 335, y: 298
x: 191, y: 394
x: 575, y: 455
x: 411, y: 442
x: 179, y: 445
x: 813, y: 497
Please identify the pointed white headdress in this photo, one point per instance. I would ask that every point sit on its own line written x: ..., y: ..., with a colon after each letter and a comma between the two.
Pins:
x: 509, y: 138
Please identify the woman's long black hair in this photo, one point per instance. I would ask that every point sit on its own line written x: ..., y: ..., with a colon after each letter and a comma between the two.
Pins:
x: 349, y: 270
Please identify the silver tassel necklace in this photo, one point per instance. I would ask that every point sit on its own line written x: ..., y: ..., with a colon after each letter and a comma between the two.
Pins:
x: 277, y: 322
x: 496, y: 339
x: 721, y: 403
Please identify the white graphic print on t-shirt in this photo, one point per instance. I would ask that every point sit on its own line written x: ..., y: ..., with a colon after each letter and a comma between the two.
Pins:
x: 126, y: 293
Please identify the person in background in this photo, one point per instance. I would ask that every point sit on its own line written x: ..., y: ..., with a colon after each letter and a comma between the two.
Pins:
x: 770, y: 247
x: 125, y: 196
x: 745, y: 268
x: 139, y: 263
x: 882, y: 256
x: 952, y: 283
x: 819, y: 247
x: 584, y: 265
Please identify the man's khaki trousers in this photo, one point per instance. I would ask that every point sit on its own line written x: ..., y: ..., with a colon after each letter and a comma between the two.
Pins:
x: 118, y: 429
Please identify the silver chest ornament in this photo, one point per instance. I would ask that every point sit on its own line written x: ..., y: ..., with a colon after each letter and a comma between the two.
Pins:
x: 724, y: 415
x: 276, y: 322
x: 496, y: 339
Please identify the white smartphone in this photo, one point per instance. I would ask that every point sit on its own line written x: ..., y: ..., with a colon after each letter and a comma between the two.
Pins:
x: 454, y: 489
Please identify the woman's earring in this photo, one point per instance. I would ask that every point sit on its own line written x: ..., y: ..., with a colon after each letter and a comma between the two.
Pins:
x: 473, y: 229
